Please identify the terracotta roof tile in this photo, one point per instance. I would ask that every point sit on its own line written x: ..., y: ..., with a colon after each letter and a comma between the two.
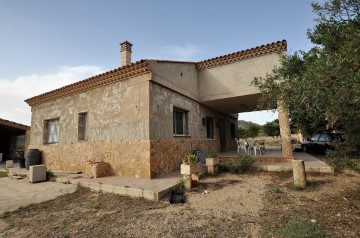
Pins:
x: 112, y: 76
x: 142, y: 67
x: 242, y: 55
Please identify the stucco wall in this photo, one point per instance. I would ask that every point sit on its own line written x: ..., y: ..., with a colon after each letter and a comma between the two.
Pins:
x: 234, y: 79
x: 180, y: 77
x: 118, y: 128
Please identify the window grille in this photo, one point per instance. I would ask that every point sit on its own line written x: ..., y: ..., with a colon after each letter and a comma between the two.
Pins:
x: 51, y: 131
x: 180, y: 122
x: 209, y: 128
x: 82, y: 126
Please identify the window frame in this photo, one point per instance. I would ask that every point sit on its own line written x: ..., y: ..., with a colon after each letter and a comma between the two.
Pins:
x: 83, y: 126
x: 184, y: 121
x: 46, y: 135
x: 210, y: 128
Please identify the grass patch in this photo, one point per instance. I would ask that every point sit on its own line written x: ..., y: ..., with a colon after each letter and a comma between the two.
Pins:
x: 302, y: 229
x: 50, y: 176
x: 3, y: 174
x: 276, y: 190
x: 242, y: 164
x: 294, y: 187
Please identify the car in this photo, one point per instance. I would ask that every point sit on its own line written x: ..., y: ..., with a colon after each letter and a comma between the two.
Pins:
x: 320, y: 143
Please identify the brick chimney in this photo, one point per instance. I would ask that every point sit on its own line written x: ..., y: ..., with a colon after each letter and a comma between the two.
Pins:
x: 125, y: 53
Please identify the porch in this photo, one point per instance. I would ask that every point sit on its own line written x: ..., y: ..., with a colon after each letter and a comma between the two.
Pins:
x: 274, y: 161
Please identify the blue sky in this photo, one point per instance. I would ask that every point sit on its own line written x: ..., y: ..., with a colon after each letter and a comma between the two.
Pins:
x: 48, y: 44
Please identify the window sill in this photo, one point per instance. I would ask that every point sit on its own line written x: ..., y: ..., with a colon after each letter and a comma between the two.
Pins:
x: 186, y: 136
x: 50, y: 144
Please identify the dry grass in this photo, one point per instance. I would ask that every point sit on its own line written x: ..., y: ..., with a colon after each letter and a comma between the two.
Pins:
x: 250, y: 205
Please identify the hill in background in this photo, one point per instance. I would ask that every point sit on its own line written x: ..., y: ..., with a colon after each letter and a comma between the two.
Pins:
x: 246, y: 124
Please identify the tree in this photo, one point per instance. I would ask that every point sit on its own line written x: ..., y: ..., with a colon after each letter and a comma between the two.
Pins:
x: 321, y: 87
x: 272, y: 128
x: 241, y: 132
x: 253, y: 131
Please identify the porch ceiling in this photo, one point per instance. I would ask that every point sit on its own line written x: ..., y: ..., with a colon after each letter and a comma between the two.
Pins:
x: 238, y: 104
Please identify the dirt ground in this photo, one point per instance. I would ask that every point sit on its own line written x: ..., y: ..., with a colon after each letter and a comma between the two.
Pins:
x: 258, y: 204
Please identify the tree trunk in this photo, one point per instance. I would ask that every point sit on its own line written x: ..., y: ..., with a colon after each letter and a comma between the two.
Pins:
x: 299, y: 173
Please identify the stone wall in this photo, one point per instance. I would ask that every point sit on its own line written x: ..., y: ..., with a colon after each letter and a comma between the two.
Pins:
x: 167, y: 150
x: 117, y: 128
x: 166, y: 155
x: 126, y: 158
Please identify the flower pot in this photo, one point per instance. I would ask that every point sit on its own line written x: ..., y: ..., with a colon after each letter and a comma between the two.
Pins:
x: 177, y: 197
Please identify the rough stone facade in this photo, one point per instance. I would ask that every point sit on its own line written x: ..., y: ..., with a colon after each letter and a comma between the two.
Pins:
x: 168, y: 150
x: 118, y: 129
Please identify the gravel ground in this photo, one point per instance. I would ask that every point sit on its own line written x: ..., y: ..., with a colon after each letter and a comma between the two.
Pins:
x: 229, y: 208
x: 250, y: 205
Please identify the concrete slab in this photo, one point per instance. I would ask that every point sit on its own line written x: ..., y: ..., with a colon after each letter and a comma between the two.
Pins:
x: 17, y: 193
x: 153, y: 189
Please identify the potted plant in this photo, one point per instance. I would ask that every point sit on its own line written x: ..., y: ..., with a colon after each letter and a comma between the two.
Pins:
x: 212, y: 162
x: 190, y: 165
x: 189, y: 169
x: 178, y: 195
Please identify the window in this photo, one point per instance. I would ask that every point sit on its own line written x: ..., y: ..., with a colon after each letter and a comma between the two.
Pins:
x: 315, y: 138
x: 180, y: 122
x: 324, y: 138
x: 82, y: 126
x: 232, y: 130
x: 209, y: 128
x: 51, y: 131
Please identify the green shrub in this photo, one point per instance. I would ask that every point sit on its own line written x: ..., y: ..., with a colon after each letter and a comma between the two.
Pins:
x: 50, y: 176
x: 181, y: 184
x: 211, y: 153
x: 276, y: 190
x: 3, y: 174
x: 241, y: 165
x: 190, y: 159
x: 339, y: 161
x: 302, y: 229
x: 232, y: 168
x: 245, y: 162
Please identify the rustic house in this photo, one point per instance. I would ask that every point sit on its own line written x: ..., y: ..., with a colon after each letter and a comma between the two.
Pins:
x: 143, y: 117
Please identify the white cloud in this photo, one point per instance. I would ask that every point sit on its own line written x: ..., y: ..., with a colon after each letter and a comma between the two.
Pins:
x: 259, y: 117
x: 14, y: 92
x: 186, y: 52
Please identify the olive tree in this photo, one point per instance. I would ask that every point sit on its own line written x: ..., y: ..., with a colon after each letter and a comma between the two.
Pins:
x: 321, y: 87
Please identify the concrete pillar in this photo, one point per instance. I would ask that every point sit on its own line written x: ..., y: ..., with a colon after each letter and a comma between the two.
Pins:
x: 299, y: 173
x: 285, y: 131
x: 125, y: 53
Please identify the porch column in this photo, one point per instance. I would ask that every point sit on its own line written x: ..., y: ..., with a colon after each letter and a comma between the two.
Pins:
x: 285, y: 131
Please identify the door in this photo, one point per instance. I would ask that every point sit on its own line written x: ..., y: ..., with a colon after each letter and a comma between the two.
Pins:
x: 222, y: 134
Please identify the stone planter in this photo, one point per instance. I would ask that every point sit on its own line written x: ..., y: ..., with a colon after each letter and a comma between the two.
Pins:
x: 96, y: 169
x: 190, y: 172
x: 189, y: 169
x: 212, y: 165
